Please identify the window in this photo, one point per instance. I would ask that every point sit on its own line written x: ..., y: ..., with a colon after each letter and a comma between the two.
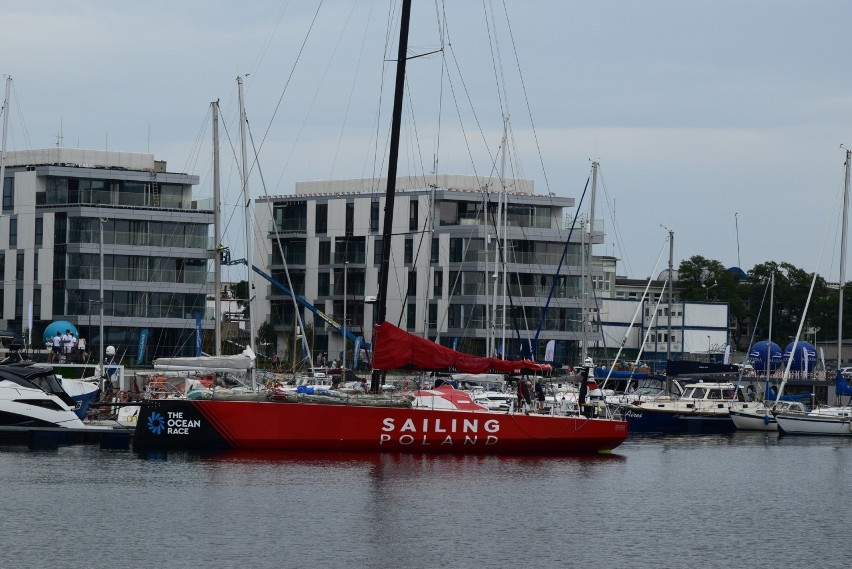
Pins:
x: 37, y: 304
x: 13, y: 232
x: 35, y: 267
x: 377, y: 251
x: 324, y: 253
x: 19, y: 267
x: 322, y: 218
x: 39, y: 231
x: 374, y: 216
x: 435, y: 251
x: 350, y: 218
x: 433, y: 315
x: 2, y: 269
x: 413, y: 207
x: 412, y: 284
x: 409, y: 250
x: 411, y: 315
x: 323, y: 284
x: 8, y: 194
x: 438, y: 283
x: 19, y: 303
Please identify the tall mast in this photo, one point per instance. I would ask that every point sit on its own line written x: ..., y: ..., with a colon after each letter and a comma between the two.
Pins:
x: 396, y: 123
x: 671, y: 278
x: 217, y: 230
x: 497, y: 265
x: 587, y: 259
x: 5, y: 131
x: 505, y: 226
x: 248, y: 218
x: 843, y: 261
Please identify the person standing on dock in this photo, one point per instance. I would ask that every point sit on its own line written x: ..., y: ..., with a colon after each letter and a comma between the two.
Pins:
x: 57, y: 347
x: 81, y: 350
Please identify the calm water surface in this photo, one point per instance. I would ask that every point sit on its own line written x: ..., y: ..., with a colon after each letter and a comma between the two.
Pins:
x: 742, y: 500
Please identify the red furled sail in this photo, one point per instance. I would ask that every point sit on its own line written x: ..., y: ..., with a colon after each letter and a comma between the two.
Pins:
x: 397, y: 349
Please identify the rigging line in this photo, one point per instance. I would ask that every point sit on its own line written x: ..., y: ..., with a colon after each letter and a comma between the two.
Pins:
x: 496, y: 66
x: 290, y: 76
x: 491, y: 156
x: 526, y: 99
x: 541, y: 319
x: 268, y: 41
x: 351, y: 89
x: 615, y: 228
x: 195, y: 151
x: 307, y: 114
x: 17, y: 99
x: 238, y: 164
x: 754, y: 335
x: 636, y: 312
x: 259, y: 237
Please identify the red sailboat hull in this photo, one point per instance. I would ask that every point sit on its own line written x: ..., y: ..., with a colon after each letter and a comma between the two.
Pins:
x: 205, y: 425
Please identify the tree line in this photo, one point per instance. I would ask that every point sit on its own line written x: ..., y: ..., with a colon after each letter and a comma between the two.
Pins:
x: 748, y: 296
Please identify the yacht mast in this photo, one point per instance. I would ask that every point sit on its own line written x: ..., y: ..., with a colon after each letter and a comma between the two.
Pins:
x: 217, y: 231
x: 588, y: 283
x: 505, y: 226
x: 843, y: 261
x: 5, y: 111
x: 396, y: 123
x: 248, y: 222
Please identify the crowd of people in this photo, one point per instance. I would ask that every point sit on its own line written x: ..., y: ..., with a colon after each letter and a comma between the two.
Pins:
x: 66, y: 348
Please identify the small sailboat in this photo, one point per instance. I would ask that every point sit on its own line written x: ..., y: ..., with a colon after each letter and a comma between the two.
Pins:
x: 833, y: 420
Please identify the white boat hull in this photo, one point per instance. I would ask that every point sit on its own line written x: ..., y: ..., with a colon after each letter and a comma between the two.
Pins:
x: 815, y: 424
x: 754, y: 421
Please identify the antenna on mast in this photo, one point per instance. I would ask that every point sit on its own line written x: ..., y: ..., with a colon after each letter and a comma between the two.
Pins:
x: 737, y: 226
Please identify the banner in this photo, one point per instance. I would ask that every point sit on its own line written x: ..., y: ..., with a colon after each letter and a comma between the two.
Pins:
x: 549, y: 350
x: 198, y: 334
x: 143, y: 342
x: 356, y: 352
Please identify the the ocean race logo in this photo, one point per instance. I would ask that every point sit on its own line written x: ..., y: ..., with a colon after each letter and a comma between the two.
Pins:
x: 156, y: 423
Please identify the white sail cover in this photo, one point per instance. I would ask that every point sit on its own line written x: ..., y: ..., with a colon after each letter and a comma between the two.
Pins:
x: 243, y: 361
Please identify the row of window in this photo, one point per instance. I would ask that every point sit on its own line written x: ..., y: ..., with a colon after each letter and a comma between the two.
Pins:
x: 293, y: 216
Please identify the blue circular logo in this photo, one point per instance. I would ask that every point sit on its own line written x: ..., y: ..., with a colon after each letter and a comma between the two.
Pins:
x: 156, y: 423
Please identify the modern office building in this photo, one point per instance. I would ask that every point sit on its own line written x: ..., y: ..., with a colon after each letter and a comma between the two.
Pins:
x: 67, y: 212
x: 446, y: 279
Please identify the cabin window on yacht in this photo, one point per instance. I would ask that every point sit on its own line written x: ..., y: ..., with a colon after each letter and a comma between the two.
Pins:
x: 8, y: 194
x: 697, y: 393
x: 321, y: 222
x: 438, y: 283
x: 714, y: 394
x: 413, y: 217
x: 13, y: 232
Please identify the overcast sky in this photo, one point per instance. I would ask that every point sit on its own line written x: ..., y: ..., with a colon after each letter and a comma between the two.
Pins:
x: 706, y: 116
